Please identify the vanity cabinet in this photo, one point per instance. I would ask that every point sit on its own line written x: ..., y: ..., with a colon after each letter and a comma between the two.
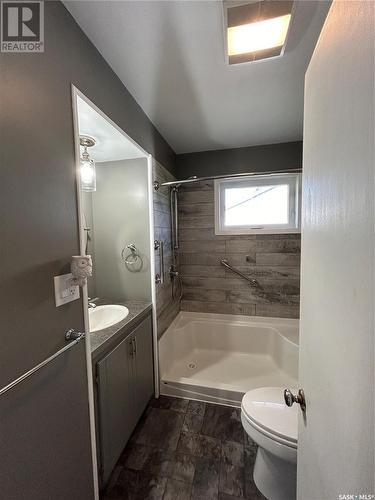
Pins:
x: 125, y: 384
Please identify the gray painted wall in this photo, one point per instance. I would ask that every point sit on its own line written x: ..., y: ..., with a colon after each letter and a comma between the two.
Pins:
x: 38, y: 234
x: 121, y: 217
x: 283, y: 156
x: 44, y: 437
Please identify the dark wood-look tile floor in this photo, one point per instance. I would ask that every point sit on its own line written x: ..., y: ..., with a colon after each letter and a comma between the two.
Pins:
x: 186, y: 450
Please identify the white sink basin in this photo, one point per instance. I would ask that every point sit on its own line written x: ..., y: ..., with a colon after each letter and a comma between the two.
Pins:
x: 104, y: 316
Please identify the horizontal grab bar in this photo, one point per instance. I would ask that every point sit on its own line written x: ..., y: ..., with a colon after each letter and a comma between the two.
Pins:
x: 69, y: 335
x: 226, y: 264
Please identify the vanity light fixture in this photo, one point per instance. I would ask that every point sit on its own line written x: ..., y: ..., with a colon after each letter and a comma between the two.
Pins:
x: 87, y: 165
x: 256, y: 30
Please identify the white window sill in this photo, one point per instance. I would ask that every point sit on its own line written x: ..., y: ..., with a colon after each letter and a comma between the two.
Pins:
x: 242, y: 232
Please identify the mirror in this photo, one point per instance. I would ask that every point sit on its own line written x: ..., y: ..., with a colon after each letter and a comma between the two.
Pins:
x: 114, y: 208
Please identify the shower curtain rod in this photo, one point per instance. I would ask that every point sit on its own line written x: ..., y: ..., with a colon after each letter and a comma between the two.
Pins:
x: 190, y: 180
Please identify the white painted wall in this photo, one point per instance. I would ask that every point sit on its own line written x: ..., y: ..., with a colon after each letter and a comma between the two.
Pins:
x: 121, y: 216
x: 336, y: 445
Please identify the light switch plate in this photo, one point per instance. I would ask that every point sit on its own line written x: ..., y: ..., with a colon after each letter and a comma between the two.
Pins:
x: 64, y: 291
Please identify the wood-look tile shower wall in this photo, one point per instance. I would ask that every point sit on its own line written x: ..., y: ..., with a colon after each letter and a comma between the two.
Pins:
x: 166, y: 307
x: 274, y: 260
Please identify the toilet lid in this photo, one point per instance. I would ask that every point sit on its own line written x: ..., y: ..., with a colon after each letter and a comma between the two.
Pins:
x: 266, y: 407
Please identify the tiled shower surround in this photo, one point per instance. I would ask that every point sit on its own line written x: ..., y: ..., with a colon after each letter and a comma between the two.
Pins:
x: 166, y: 307
x: 273, y: 260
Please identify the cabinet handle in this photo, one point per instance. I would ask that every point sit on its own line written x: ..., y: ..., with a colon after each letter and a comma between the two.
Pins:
x: 131, y: 347
x: 134, y: 345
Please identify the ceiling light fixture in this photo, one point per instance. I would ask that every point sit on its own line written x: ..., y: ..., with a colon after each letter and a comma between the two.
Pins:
x: 258, y: 36
x: 87, y: 165
x: 256, y: 30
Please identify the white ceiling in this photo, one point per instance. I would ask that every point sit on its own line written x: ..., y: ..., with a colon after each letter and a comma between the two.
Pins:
x: 170, y: 56
x: 110, y: 144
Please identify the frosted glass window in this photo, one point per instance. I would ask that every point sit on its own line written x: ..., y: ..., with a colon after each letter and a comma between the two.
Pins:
x: 257, y: 204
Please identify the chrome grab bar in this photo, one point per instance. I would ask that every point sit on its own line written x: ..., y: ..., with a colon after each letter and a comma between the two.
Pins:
x: 159, y: 245
x: 70, y: 335
x: 226, y: 264
x: 174, y: 213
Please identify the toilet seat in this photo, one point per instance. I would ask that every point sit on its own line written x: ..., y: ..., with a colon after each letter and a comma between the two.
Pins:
x: 269, y: 435
x: 266, y: 411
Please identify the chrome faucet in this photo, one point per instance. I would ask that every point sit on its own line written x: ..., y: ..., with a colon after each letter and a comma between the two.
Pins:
x: 91, y: 305
x: 173, y: 273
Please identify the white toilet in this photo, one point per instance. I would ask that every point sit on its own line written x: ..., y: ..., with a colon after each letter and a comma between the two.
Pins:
x: 273, y: 426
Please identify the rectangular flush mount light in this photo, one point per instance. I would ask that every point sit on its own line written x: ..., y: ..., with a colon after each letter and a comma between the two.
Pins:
x: 258, y: 36
x: 256, y: 30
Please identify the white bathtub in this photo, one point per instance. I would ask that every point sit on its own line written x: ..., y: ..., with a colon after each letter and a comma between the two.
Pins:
x: 218, y: 357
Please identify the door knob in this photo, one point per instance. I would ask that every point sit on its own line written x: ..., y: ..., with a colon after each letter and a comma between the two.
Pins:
x: 291, y: 398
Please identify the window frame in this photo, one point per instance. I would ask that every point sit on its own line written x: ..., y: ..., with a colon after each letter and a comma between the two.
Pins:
x: 294, y: 202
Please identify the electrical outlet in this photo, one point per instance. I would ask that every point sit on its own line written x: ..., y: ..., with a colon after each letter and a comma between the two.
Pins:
x: 64, y: 290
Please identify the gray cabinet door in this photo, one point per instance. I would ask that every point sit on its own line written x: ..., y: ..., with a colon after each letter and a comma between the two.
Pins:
x: 143, y: 366
x: 125, y: 385
x: 117, y: 417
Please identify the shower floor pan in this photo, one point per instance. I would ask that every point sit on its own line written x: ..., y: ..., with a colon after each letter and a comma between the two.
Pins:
x: 217, y: 358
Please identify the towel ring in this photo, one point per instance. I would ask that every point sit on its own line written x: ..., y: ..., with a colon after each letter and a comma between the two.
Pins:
x: 132, y: 259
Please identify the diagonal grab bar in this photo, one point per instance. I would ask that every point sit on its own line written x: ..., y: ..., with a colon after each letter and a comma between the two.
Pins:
x: 226, y: 264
